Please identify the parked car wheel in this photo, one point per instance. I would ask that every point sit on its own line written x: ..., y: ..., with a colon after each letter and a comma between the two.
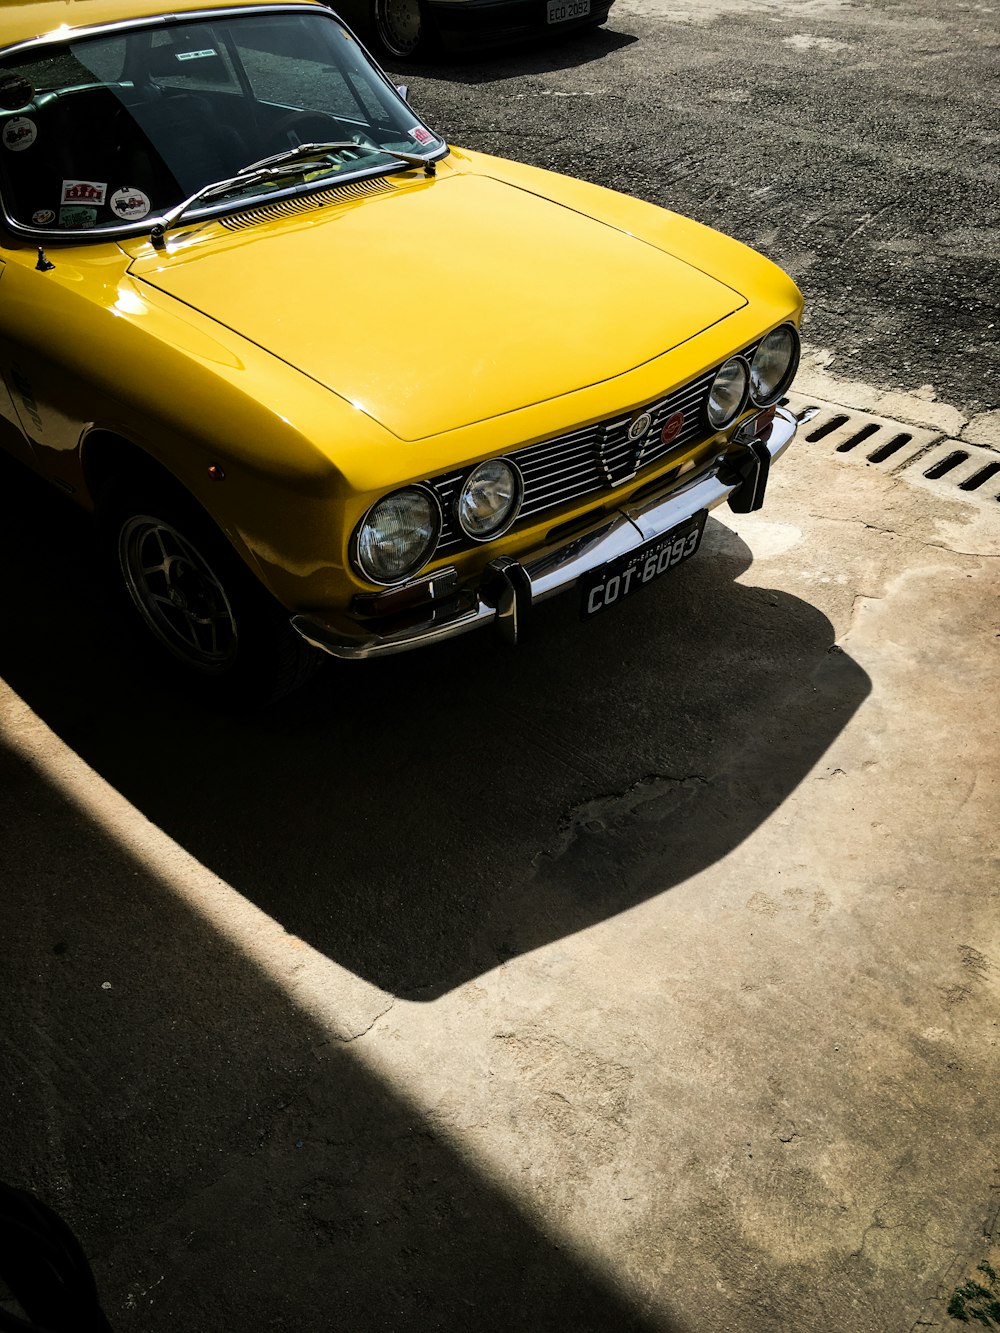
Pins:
x: 194, y: 606
x: 401, y: 27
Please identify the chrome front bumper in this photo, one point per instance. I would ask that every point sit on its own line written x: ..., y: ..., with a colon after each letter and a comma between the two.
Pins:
x: 509, y: 588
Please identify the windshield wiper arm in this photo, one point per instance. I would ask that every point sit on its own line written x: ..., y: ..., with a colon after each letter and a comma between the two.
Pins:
x: 267, y: 169
x: 299, y: 151
x: 308, y: 150
x: 159, y: 228
x: 247, y: 176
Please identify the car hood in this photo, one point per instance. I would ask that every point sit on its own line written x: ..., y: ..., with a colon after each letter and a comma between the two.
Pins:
x: 437, y: 305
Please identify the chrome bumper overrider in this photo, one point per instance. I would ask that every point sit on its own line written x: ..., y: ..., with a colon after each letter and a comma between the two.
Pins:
x: 509, y: 587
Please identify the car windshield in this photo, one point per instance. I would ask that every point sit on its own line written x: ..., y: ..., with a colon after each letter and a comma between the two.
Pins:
x: 114, y: 130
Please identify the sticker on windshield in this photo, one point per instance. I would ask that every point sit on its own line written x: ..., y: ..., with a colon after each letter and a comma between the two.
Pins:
x: 19, y: 134
x: 43, y: 217
x: 421, y: 135
x: 75, y: 216
x: 84, y: 192
x: 15, y: 91
x: 129, y: 204
x: 195, y: 55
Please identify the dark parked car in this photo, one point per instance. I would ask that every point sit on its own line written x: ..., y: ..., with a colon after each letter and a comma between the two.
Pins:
x: 407, y: 29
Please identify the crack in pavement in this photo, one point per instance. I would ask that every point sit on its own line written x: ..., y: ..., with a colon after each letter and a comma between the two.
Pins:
x: 603, y: 812
x: 871, y: 527
x: 972, y: 555
x: 356, y: 1036
x: 905, y: 536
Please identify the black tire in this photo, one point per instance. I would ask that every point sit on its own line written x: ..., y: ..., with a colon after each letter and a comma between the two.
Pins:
x: 193, y: 606
x: 401, y: 28
x: 44, y: 1266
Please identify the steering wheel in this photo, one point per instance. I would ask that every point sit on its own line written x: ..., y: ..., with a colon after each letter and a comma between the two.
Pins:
x: 329, y: 127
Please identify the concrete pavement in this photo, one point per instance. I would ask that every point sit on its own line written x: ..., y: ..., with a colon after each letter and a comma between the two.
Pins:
x: 686, y: 1017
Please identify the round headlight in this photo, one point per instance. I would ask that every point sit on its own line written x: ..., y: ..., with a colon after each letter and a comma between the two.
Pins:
x: 773, y: 365
x: 398, y: 535
x: 728, y: 392
x: 489, y: 499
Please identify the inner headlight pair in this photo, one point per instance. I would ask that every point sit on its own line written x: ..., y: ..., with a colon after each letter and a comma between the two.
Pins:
x: 399, y: 533
x: 763, y: 381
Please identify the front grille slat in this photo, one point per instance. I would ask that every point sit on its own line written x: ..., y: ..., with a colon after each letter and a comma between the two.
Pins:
x: 535, y: 456
x: 555, y: 494
x: 539, y: 467
x: 558, y: 480
x: 662, y: 450
x: 591, y: 458
x: 530, y: 509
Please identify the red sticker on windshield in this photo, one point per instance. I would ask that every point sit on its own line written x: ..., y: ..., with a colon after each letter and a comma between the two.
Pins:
x: 421, y: 135
x: 84, y: 192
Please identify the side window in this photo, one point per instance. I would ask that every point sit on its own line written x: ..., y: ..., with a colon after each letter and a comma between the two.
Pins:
x: 303, y: 78
x: 77, y: 67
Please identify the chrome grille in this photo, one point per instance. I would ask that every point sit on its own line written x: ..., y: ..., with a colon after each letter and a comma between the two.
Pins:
x: 592, y: 459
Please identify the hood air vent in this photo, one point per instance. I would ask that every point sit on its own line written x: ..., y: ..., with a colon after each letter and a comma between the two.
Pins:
x: 288, y: 207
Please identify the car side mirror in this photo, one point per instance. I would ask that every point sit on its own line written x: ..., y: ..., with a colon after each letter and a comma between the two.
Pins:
x: 403, y: 91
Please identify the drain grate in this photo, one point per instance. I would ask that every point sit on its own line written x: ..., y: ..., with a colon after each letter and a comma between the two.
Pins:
x: 980, y: 477
x: 860, y: 436
x: 968, y: 470
x: 964, y: 471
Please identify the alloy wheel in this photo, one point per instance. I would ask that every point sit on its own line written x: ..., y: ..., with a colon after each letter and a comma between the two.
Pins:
x: 399, y: 24
x: 177, y: 593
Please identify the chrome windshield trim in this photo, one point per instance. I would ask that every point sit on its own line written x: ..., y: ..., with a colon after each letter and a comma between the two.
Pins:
x: 59, y: 36
x: 157, y: 227
x: 201, y: 216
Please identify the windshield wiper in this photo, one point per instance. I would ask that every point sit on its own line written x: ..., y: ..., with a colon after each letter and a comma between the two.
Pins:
x: 300, y: 151
x: 159, y: 229
x: 281, y: 164
x: 309, y: 150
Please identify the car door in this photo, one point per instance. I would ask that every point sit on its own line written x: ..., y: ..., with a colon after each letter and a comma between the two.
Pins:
x: 16, y: 423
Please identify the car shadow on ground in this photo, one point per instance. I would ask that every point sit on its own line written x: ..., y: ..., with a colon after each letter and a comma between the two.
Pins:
x: 422, y: 819
x: 522, y: 61
x: 226, y: 1162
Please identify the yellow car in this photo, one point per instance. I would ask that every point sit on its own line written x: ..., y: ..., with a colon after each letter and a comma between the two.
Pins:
x: 330, y: 385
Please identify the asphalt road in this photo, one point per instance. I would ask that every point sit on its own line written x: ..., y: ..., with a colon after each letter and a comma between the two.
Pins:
x: 647, y: 977
x: 856, y: 144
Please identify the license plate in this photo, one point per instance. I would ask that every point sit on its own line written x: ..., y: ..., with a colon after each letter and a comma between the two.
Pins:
x: 559, y: 11
x: 620, y: 578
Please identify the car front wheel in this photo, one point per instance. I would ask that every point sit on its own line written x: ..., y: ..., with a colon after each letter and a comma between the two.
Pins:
x: 195, y: 605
